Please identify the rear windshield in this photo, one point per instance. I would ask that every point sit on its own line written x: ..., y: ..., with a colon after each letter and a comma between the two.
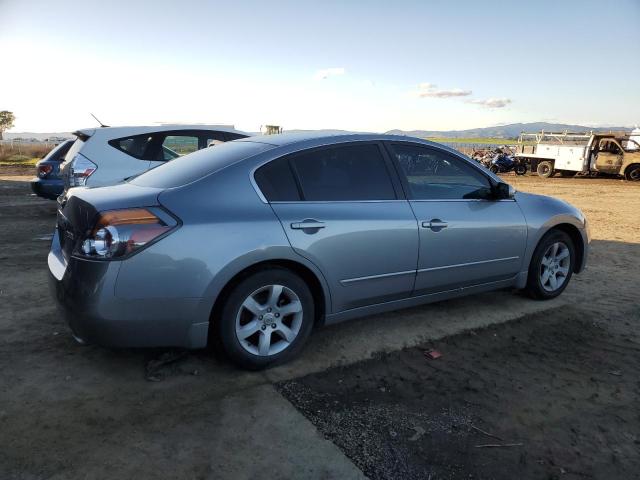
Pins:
x: 59, y: 151
x: 194, y: 166
x: 75, y: 148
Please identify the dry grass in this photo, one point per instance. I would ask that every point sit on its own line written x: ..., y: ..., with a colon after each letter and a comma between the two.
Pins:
x: 22, y: 154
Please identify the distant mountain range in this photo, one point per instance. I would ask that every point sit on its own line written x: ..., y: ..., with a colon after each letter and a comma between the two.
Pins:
x: 511, y: 130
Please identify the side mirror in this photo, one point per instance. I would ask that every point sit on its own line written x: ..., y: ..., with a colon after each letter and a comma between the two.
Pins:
x: 504, y: 191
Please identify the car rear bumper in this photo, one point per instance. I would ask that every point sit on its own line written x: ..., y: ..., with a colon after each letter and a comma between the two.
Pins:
x: 47, y: 188
x: 85, y: 294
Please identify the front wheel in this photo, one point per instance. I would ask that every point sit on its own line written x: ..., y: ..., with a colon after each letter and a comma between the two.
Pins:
x: 551, y: 266
x: 521, y: 169
x: 632, y: 173
x: 266, y: 319
x: 494, y: 169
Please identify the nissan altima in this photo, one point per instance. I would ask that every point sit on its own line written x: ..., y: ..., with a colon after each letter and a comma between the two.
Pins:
x: 250, y: 245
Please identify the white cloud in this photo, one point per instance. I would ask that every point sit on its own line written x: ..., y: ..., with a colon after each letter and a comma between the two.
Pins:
x: 329, y: 72
x: 492, y: 102
x: 430, y: 90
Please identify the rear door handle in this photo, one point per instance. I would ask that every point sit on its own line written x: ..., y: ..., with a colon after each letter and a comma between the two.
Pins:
x: 435, y: 224
x: 307, y: 224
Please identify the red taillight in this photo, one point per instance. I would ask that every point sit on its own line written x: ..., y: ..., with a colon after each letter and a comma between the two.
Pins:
x: 44, y: 170
x: 118, y: 233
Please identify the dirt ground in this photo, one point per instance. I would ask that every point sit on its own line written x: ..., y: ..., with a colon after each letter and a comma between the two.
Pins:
x: 560, y: 387
x: 68, y: 411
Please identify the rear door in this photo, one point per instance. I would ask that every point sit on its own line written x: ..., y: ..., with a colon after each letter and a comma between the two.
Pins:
x: 342, y: 208
x: 466, y: 237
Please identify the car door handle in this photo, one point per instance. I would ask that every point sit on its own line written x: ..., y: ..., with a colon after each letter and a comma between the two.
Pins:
x: 435, y: 224
x: 307, y: 224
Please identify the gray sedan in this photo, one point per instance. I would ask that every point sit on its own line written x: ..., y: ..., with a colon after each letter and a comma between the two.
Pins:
x: 250, y: 245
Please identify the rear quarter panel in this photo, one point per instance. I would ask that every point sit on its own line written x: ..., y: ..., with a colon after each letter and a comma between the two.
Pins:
x: 225, y: 229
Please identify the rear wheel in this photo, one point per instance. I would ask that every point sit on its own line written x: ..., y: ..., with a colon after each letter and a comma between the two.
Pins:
x: 545, y: 169
x: 632, y: 173
x: 266, y: 319
x: 551, y: 266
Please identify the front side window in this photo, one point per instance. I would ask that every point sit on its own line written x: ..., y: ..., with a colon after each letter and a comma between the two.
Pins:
x: 432, y: 174
x: 344, y: 173
x: 609, y: 146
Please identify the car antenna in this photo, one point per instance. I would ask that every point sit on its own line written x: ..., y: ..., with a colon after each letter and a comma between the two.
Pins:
x: 102, y: 125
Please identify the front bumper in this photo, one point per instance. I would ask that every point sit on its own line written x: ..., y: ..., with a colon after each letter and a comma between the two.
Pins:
x: 49, y: 188
x: 85, y: 294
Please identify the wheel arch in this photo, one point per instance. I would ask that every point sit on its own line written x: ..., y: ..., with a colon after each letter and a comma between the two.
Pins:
x: 576, y: 238
x: 319, y: 291
x: 628, y: 168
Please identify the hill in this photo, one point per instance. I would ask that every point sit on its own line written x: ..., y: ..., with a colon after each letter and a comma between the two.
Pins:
x: 511, y: 130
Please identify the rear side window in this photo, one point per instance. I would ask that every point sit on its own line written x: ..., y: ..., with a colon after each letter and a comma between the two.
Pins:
x: 136, y: 146
x: 432, y: 174
x: 167, y: 145
x: 215, y: 138
x: 233, y: 136
x: 344, y: 173
x: 276, y: 181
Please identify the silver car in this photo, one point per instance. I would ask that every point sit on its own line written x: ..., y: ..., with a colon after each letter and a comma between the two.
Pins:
x: 250, y: 245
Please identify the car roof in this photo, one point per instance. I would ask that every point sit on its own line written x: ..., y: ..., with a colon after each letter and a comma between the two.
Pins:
x: 115, y: 132
x: 328, y: 137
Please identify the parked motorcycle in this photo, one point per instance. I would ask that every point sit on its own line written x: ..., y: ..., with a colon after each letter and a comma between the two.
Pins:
x: 503, y: 163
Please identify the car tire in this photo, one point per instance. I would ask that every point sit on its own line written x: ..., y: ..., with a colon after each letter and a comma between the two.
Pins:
x: 521, y: 169
x: 632, y: 173
x: 545, y: 169
x: 266, y: 319
x: 551, y: 266
x: 494, y: 169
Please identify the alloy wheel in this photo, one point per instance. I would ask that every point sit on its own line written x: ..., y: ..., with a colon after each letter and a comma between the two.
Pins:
x: 554, y: 267
x: 269, y: 320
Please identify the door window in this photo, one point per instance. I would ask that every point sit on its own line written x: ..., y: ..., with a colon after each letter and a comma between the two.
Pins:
x: 344, y: 173
x: 610, y: 146
x: 160, y: 146
x: 175, y: 145
x: 432, y: 174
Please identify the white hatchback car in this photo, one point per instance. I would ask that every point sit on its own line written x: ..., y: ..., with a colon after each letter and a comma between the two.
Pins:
x: 109, y: 155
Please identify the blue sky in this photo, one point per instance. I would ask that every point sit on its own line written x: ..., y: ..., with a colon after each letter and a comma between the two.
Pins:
x: 373, y: 65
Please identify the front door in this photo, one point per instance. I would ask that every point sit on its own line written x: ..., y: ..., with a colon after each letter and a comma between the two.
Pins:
x: 466, y: 237
x: 341, y: 209
x: 610, y: 156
